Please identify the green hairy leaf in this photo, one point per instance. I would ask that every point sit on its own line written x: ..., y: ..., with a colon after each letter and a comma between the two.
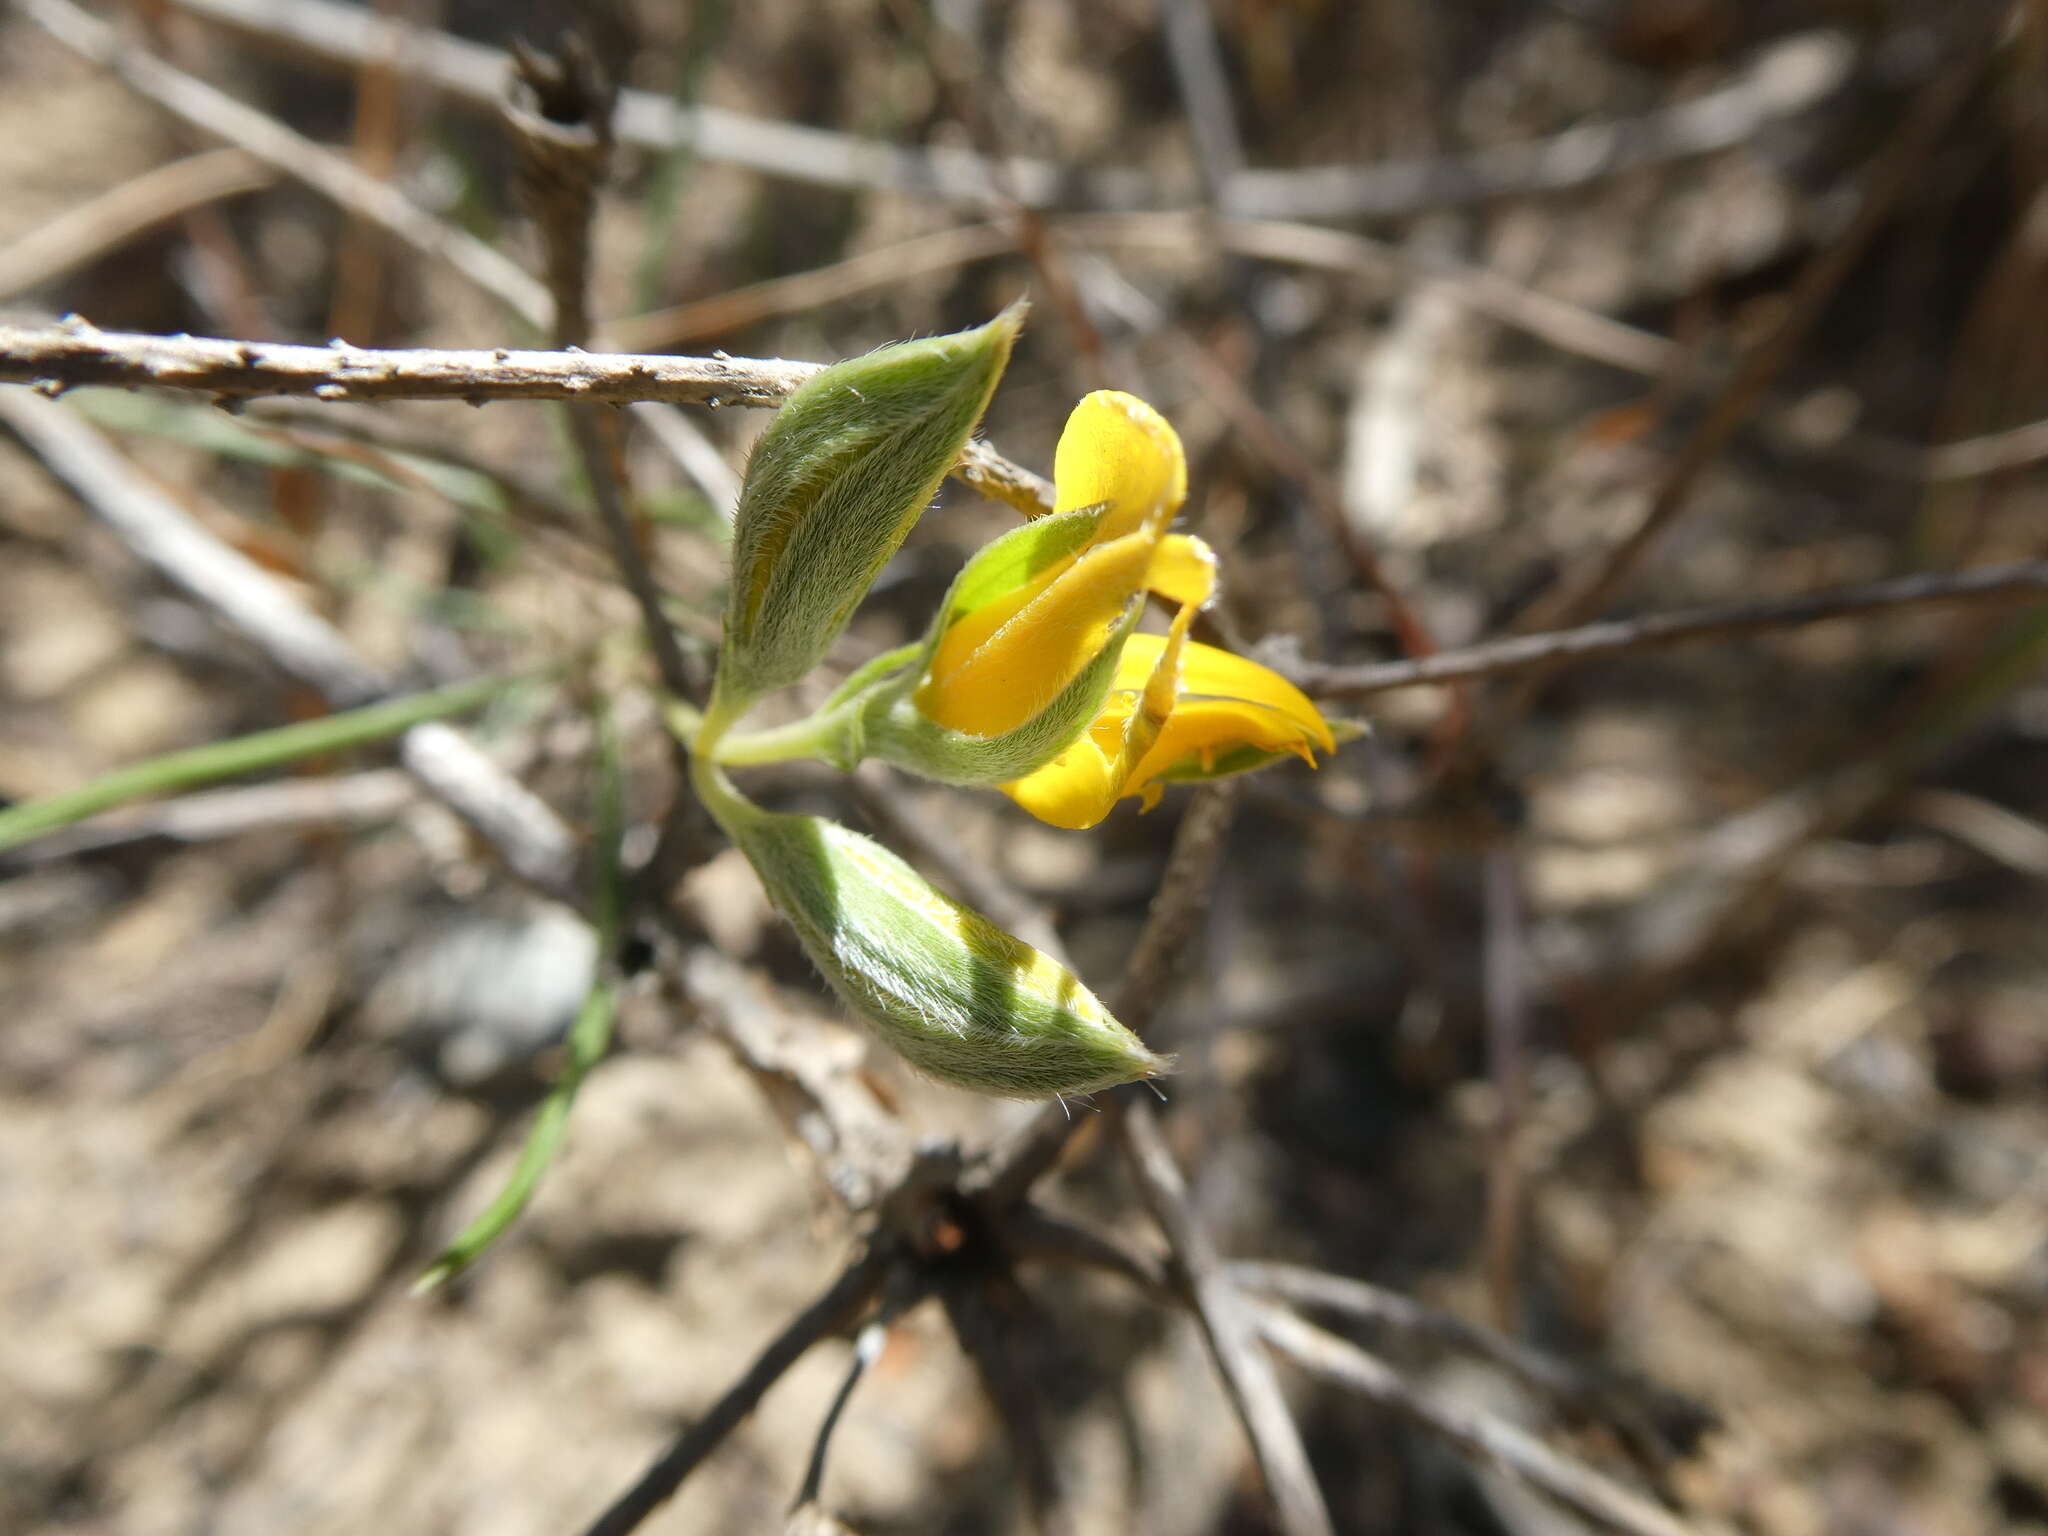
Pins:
x: 846, y: 468
x: 954, y: 995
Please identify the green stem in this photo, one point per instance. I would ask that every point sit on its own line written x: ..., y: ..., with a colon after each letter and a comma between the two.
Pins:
x: 808, y: 737
x: 189, y: 769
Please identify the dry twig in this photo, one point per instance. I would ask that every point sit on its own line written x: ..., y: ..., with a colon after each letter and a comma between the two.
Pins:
x: 525, y: 832
x: 56, y: 357
x: 79, y: 353
x: 1230, y: 1327
x: 1791, y: 78
x: 83, y: 234
x: 834, y: 1311
x: 1616, y: 637
x: 1487, y: 1440
x: 1892, y: 171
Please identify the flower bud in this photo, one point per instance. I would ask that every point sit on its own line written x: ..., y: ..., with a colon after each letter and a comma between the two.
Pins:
x: 954, y: 995
x: 895, y: 726
x: 847, y: 466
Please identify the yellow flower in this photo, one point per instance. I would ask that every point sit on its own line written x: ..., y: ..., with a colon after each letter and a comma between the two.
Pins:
x: 1176, y: 709
x: 1212, y: 714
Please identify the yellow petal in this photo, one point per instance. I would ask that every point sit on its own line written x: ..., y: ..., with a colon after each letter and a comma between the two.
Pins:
x: 1227, y: 703
x: 1183, y: 570
x: 1209, y: 673
x: 1118, y: 452
x: 1075, y: 790
x: 986, y: 680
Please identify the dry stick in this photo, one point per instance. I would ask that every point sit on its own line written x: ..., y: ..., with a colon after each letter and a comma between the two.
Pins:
x: 560, y: 121
x: 1015, y: 1165
x: 86, y: 233
x: 215, y: 112
x: 1893, y: 171
x: 371, y: 201
x: 526, y: 833
x: 56, y: 357
x: 1784, y: 81
x: 1229, y: 1327
x: 1789, y: 78
x: 1614, y: 637
x: 79, y: 353
x: 1563, y: 325
x: 833, y: 1312
x: 1488, y: 1440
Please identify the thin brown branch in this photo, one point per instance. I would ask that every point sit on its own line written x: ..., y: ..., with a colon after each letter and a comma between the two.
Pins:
x: 837, y: 1309
x: 1789, y: 78
x: 559, y: 118
x: 1566, y: 326
x: 1785, y: 81
x: 1893, y: 169
x: 1230, y: 1328
x: 83, y: 234
x: 1599, y: 1499
x: 216, y: 113
x: 1360, y: 1299
x: 56, y: 357
x: 79, y: 353
x: 1615, y: 637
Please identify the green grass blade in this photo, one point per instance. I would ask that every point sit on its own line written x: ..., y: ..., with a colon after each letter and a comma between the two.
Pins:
x: 589, y: 1037
x: 194, y: 766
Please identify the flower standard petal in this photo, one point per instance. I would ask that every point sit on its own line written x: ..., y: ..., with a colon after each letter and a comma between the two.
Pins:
x: 1118, y: 453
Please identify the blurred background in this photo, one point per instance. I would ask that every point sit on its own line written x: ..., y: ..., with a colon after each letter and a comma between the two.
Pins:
x: 1682, y: 1012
